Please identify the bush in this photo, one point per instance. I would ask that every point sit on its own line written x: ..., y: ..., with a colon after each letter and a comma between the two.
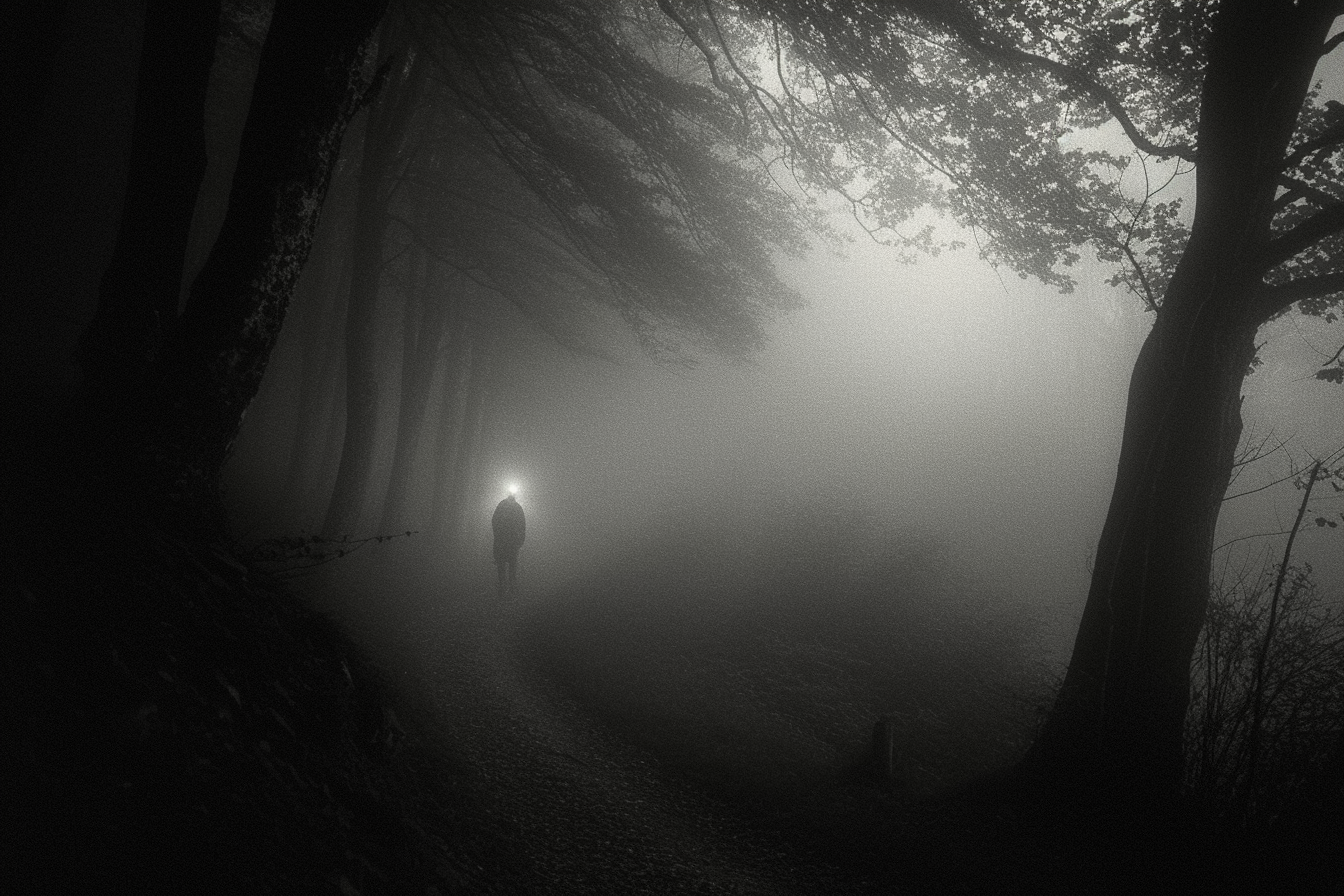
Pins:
x: 1248, y: 762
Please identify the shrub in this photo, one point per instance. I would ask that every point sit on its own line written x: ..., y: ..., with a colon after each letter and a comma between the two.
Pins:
x: 1248, y: 762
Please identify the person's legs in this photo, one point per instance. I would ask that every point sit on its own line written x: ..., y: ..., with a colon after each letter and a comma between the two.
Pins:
x: 499, y: 569
x: 513, y: 573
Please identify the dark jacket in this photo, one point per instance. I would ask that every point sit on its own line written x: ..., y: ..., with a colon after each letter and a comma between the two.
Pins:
x: 509, y: 525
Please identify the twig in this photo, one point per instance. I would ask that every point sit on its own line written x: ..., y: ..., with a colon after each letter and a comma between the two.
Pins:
x: 1258, y: 680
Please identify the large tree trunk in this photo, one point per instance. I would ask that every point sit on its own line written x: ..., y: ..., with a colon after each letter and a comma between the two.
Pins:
x: 384, y: 138
x: 308, y: 86
x: 1118, y: 719
x: 1122, y: 706
x: 33, y: 32
x: 139, y: 293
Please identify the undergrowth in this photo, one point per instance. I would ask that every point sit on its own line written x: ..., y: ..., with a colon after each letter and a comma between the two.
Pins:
x: 179, y: 723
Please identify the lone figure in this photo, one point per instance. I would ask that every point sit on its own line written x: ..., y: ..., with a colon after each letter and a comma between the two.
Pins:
x: 510, y: 528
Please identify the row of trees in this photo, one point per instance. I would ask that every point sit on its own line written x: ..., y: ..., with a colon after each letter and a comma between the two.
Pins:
x: 524, y: 164
x: 638, y: 181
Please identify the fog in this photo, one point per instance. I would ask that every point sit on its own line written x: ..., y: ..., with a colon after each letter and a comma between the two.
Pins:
x: 930, y: 394
x: 780, y: 597
x: 941, y: 399
x: 889, y: 512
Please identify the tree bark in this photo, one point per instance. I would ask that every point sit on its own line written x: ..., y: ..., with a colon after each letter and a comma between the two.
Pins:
x: 1117, y: 722
x: 33, y: 32
x: 308, y: 87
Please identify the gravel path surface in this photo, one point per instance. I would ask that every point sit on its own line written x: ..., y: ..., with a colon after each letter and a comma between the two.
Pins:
x: 586, y: 812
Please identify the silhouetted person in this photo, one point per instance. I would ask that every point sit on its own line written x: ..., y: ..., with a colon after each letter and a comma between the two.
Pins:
x: 510, y: 528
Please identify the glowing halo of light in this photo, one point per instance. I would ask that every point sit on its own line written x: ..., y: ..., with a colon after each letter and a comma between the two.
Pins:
x: 513, y: 487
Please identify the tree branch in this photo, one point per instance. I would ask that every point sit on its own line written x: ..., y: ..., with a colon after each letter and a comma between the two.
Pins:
x: 1330, y: 45
x: 1332, y: 137
x: 1311, y: 230
x: 1273, y: 299
x: 1299, y: 190
x: 1086, y: 82
x: 1258, y: 679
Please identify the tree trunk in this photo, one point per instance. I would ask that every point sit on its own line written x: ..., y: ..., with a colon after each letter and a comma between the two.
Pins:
x: 361, y: 368
x: 384, y: 136
x: 140, y: 290
x: 425, y: 321
x: 308, y: 86
x: 468, y: 438
x: 456, y: 379
x: 1117, y: 723
x: 33, y: 32
x: 1122, y: 706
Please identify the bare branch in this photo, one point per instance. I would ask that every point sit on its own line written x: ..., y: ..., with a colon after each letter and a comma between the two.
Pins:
x: 1257, y: 685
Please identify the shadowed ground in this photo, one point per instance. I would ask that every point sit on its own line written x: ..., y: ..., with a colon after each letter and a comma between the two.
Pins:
x: 588, y: 812
x: 668, y: 729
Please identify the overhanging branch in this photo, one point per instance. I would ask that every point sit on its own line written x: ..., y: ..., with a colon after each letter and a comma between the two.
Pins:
x: 1300, y: 190
x: 1086, y: 82
x: 1307, y: 233
x: 1333, y: 137
x: 1273, y: 299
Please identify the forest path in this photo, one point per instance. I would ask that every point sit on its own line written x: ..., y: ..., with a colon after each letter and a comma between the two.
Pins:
x: 586, y: 812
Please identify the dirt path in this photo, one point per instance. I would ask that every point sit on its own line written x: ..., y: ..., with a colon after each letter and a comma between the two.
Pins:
x: 587, y: 813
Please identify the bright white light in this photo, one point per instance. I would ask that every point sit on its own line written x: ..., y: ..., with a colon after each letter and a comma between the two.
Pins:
x: 513, y: 488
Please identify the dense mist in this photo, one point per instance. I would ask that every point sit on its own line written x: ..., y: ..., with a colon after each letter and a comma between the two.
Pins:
x: 935, y: 399
x: 925, y: 488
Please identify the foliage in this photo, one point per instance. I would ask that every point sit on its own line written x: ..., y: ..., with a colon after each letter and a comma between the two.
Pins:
x: 1043, y: 127
x: 1301, y: 693
x: 580, y: 160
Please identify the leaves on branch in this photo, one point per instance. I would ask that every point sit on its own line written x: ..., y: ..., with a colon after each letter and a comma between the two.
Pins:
x: 586, y: 159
